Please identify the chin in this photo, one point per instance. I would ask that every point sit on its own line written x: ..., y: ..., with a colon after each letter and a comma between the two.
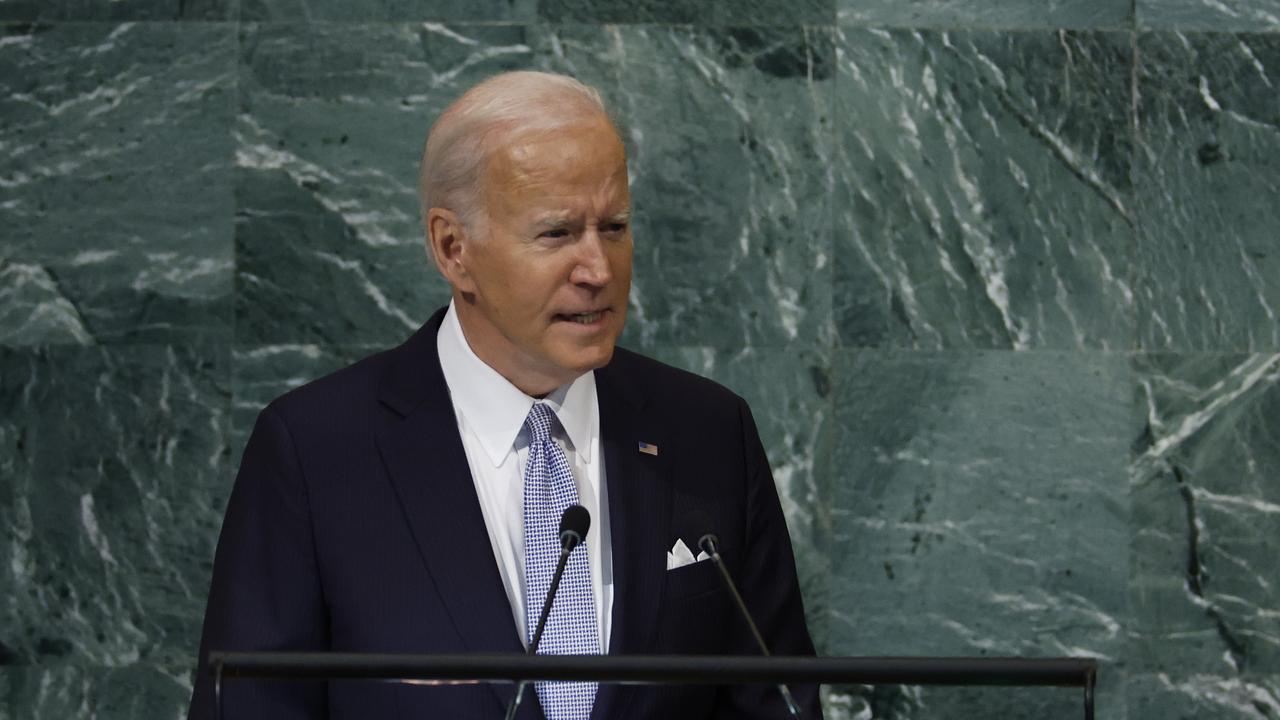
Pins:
x: 585, y: 360
x: 605, y: 355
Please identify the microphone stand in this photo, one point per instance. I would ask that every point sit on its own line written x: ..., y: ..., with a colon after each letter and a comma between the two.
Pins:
x: 708, y: 543
x: 565, y: 551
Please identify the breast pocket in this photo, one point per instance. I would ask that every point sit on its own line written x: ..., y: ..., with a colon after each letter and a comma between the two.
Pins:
x: 693, y: 579
x: 695, y: 607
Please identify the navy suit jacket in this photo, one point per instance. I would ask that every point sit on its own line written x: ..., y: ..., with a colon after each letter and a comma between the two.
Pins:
x: 354, y: 526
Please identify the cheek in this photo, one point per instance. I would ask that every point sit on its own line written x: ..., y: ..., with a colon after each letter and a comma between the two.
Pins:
x: 532, y: 290
x: 621, y: 260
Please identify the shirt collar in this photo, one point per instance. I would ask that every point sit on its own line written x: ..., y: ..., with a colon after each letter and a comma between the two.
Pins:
x: 495, y: 410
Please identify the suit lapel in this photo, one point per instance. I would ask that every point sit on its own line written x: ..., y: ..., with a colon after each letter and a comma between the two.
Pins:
x: 428, y: 467
x: 639, y: 517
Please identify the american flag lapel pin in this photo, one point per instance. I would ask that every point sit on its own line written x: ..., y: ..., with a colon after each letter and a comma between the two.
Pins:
x: 649, y: 449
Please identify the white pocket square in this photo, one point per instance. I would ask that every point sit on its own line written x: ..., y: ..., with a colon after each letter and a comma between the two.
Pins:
x: 679, y: 555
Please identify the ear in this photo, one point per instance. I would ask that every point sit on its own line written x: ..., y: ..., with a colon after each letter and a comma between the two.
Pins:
x: 448, y: 242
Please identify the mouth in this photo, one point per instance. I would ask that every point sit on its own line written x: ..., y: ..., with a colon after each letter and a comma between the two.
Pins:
x: 583, y: 318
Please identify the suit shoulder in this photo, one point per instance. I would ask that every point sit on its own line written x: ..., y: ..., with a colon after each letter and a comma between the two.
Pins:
x: 348, y: 392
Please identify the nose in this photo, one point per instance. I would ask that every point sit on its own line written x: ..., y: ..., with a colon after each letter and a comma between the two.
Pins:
x: 593, y: 267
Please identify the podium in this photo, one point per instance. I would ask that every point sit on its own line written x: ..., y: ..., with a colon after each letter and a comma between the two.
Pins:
x: 657, y: 669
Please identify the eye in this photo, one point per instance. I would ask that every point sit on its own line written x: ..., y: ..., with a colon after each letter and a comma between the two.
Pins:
x: 615, y: 228
x: 555, y: 234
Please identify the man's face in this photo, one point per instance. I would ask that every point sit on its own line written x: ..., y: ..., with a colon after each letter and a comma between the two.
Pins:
x: 547, y: 296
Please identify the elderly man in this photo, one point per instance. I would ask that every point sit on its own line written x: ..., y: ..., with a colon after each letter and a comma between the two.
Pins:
x: 410, y: 502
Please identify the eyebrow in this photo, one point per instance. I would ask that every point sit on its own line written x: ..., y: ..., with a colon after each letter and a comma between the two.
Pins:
x: 555, y: 220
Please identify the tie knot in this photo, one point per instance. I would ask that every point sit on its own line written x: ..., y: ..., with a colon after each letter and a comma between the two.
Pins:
x: 539, y: 422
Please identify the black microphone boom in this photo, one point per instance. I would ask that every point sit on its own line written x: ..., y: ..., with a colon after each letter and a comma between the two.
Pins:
x: 575, y: 521
x: 710, y: 544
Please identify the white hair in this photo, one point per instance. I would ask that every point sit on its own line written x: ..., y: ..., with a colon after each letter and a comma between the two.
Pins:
x: 458, y: 146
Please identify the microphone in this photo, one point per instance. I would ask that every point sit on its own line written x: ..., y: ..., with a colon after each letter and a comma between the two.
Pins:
x: 710, y: 544
x: 575, y: 521
x: 574, y: 524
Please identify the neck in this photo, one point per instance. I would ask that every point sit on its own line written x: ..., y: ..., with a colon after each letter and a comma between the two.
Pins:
x: 498, y: 353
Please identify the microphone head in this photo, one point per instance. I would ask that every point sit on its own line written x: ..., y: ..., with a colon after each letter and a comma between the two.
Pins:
x: 574, y: 524
x: 709, y: 543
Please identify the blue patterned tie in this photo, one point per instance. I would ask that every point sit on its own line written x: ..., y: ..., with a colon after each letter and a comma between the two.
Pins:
x: 571, y: 627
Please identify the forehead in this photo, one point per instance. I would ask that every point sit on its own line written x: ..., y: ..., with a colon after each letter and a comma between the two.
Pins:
x: 582, y: 157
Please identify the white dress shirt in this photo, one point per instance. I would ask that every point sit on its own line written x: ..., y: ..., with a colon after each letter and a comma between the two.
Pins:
x: 491, y: 414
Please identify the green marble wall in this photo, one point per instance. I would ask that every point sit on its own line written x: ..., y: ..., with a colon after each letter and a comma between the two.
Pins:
x: 999, y: 278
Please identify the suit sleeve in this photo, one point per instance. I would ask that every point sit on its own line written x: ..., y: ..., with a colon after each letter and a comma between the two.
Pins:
x: 266, y: 593
x: 771, y: 590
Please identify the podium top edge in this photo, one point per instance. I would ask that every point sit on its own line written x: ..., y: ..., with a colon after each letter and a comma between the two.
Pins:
x: 659, y: 669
